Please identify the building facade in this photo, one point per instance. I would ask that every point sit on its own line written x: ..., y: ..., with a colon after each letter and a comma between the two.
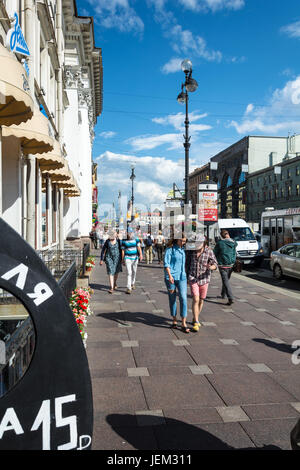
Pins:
x: 275, y: 186
x: 195, y: 178
x: 47, y: 162
x: 239, y: 161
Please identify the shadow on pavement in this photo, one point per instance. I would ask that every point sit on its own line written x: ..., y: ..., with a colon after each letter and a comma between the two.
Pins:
x: 267, y: 277
x: 137, y: 317
x: 272, y: 344
x: 175, y: 435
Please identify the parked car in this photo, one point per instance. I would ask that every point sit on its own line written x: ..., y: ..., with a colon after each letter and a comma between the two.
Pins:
x: 286, y: 261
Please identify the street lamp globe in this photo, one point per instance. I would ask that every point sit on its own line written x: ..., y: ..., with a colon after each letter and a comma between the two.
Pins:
x: 186, y: 66
x: 181, y: 98
x: 191, y: 84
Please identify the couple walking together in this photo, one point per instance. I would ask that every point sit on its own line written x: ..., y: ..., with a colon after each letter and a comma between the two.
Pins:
x: 195, y: 267
x: 115, y: 252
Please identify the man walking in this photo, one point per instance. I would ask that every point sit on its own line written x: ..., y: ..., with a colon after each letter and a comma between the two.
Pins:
x: 131, y: 253
x: 225, y: 252
x: 148, y: 248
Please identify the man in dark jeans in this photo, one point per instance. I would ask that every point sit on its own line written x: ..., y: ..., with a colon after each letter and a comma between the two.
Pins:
x: 225, y: 252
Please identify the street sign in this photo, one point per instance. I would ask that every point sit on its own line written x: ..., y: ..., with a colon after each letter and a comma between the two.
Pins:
x: 51, y: 407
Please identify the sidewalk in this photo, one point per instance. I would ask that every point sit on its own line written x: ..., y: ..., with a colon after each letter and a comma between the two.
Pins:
x: 232, y: 385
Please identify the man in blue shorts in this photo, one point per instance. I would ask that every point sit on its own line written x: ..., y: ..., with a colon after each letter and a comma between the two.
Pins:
x: 131, y: 253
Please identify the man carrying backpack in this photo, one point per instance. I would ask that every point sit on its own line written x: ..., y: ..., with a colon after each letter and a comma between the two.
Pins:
x: 225, y: 252
x: 148, y: 249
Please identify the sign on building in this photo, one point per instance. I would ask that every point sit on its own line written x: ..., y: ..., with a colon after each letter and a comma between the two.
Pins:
x: 15, y: 39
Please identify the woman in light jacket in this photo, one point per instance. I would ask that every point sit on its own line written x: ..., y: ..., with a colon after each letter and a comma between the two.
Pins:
x: 175, y: 279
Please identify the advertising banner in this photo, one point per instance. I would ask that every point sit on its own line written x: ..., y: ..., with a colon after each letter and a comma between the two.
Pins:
x: 208, y: 204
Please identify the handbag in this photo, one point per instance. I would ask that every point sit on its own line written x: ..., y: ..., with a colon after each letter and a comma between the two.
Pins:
x: 237, y: 267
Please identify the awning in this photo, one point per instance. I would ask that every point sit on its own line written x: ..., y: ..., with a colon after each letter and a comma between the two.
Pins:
x: 73, y: 190
x: 52, y: 160
x: 16, y: 104
x: 33, y: 134
x: 59, y: 176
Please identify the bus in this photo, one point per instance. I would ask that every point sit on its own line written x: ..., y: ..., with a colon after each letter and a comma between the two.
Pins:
x: 279, y: 227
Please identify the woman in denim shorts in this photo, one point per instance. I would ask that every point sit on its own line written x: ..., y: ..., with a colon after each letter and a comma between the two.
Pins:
x: 201, y: 261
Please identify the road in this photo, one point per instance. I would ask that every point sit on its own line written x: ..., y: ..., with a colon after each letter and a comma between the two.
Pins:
x: 264, y: 274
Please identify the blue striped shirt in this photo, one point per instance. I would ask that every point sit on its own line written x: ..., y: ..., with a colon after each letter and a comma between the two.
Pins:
x: 130, y: 248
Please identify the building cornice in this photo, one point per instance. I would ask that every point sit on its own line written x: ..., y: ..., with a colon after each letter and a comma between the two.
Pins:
x: 81, y: 29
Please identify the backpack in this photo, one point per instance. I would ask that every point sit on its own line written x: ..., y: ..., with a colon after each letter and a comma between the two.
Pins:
x: 148, y: 241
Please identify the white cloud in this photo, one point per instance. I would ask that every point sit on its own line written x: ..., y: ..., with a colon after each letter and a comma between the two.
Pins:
x: 154, y: 176
x: 172, y: 140
x: 249, y: 108
x: 280, y: 115
x: 148, y: 142
x: 213, y: 5
x: 107, y: 134
x: 117, y: 14
x: 292, y: 29
x: 177, y: 120
x: 174, y: 65
x: 186, y: 43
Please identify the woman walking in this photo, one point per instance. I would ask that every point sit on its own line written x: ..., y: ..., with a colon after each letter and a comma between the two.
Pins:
x: 200, y: 263
x: 111, y: 254
x: 175, y: 278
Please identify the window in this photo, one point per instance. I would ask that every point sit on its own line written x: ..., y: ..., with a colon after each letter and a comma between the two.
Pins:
x: 229, y: 182
x: 242, y: 177
x: 288, y: 250
x: 240, y: 233
x: 297, y: 171
x: 288, y: 173
x: 297, y: 251
x: 266, y: 226
x: 297, y: 189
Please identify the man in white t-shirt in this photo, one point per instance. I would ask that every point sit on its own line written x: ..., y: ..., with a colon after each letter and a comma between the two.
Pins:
x: 159, y: 246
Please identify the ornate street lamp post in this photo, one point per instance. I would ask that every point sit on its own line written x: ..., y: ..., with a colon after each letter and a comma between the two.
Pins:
x: 190, y: 85
x: 132, y: 177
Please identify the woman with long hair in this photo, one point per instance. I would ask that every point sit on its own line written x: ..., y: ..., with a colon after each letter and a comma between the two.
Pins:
x: 201, y: 261
x: 175, y: 279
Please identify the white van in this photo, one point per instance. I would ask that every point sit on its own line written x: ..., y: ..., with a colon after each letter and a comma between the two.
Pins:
x: 249, y: 250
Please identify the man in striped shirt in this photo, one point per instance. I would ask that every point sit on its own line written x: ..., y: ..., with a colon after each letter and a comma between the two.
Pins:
x: 131, y: 253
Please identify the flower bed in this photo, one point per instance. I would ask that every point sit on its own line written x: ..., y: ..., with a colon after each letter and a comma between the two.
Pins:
x: 80, y: 306
x: 90, y: 263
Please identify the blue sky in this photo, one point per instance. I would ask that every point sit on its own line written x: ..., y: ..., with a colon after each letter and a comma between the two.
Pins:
x: 245, y: 56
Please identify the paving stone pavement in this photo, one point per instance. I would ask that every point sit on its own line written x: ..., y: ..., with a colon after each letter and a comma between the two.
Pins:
x: 231, y: 385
